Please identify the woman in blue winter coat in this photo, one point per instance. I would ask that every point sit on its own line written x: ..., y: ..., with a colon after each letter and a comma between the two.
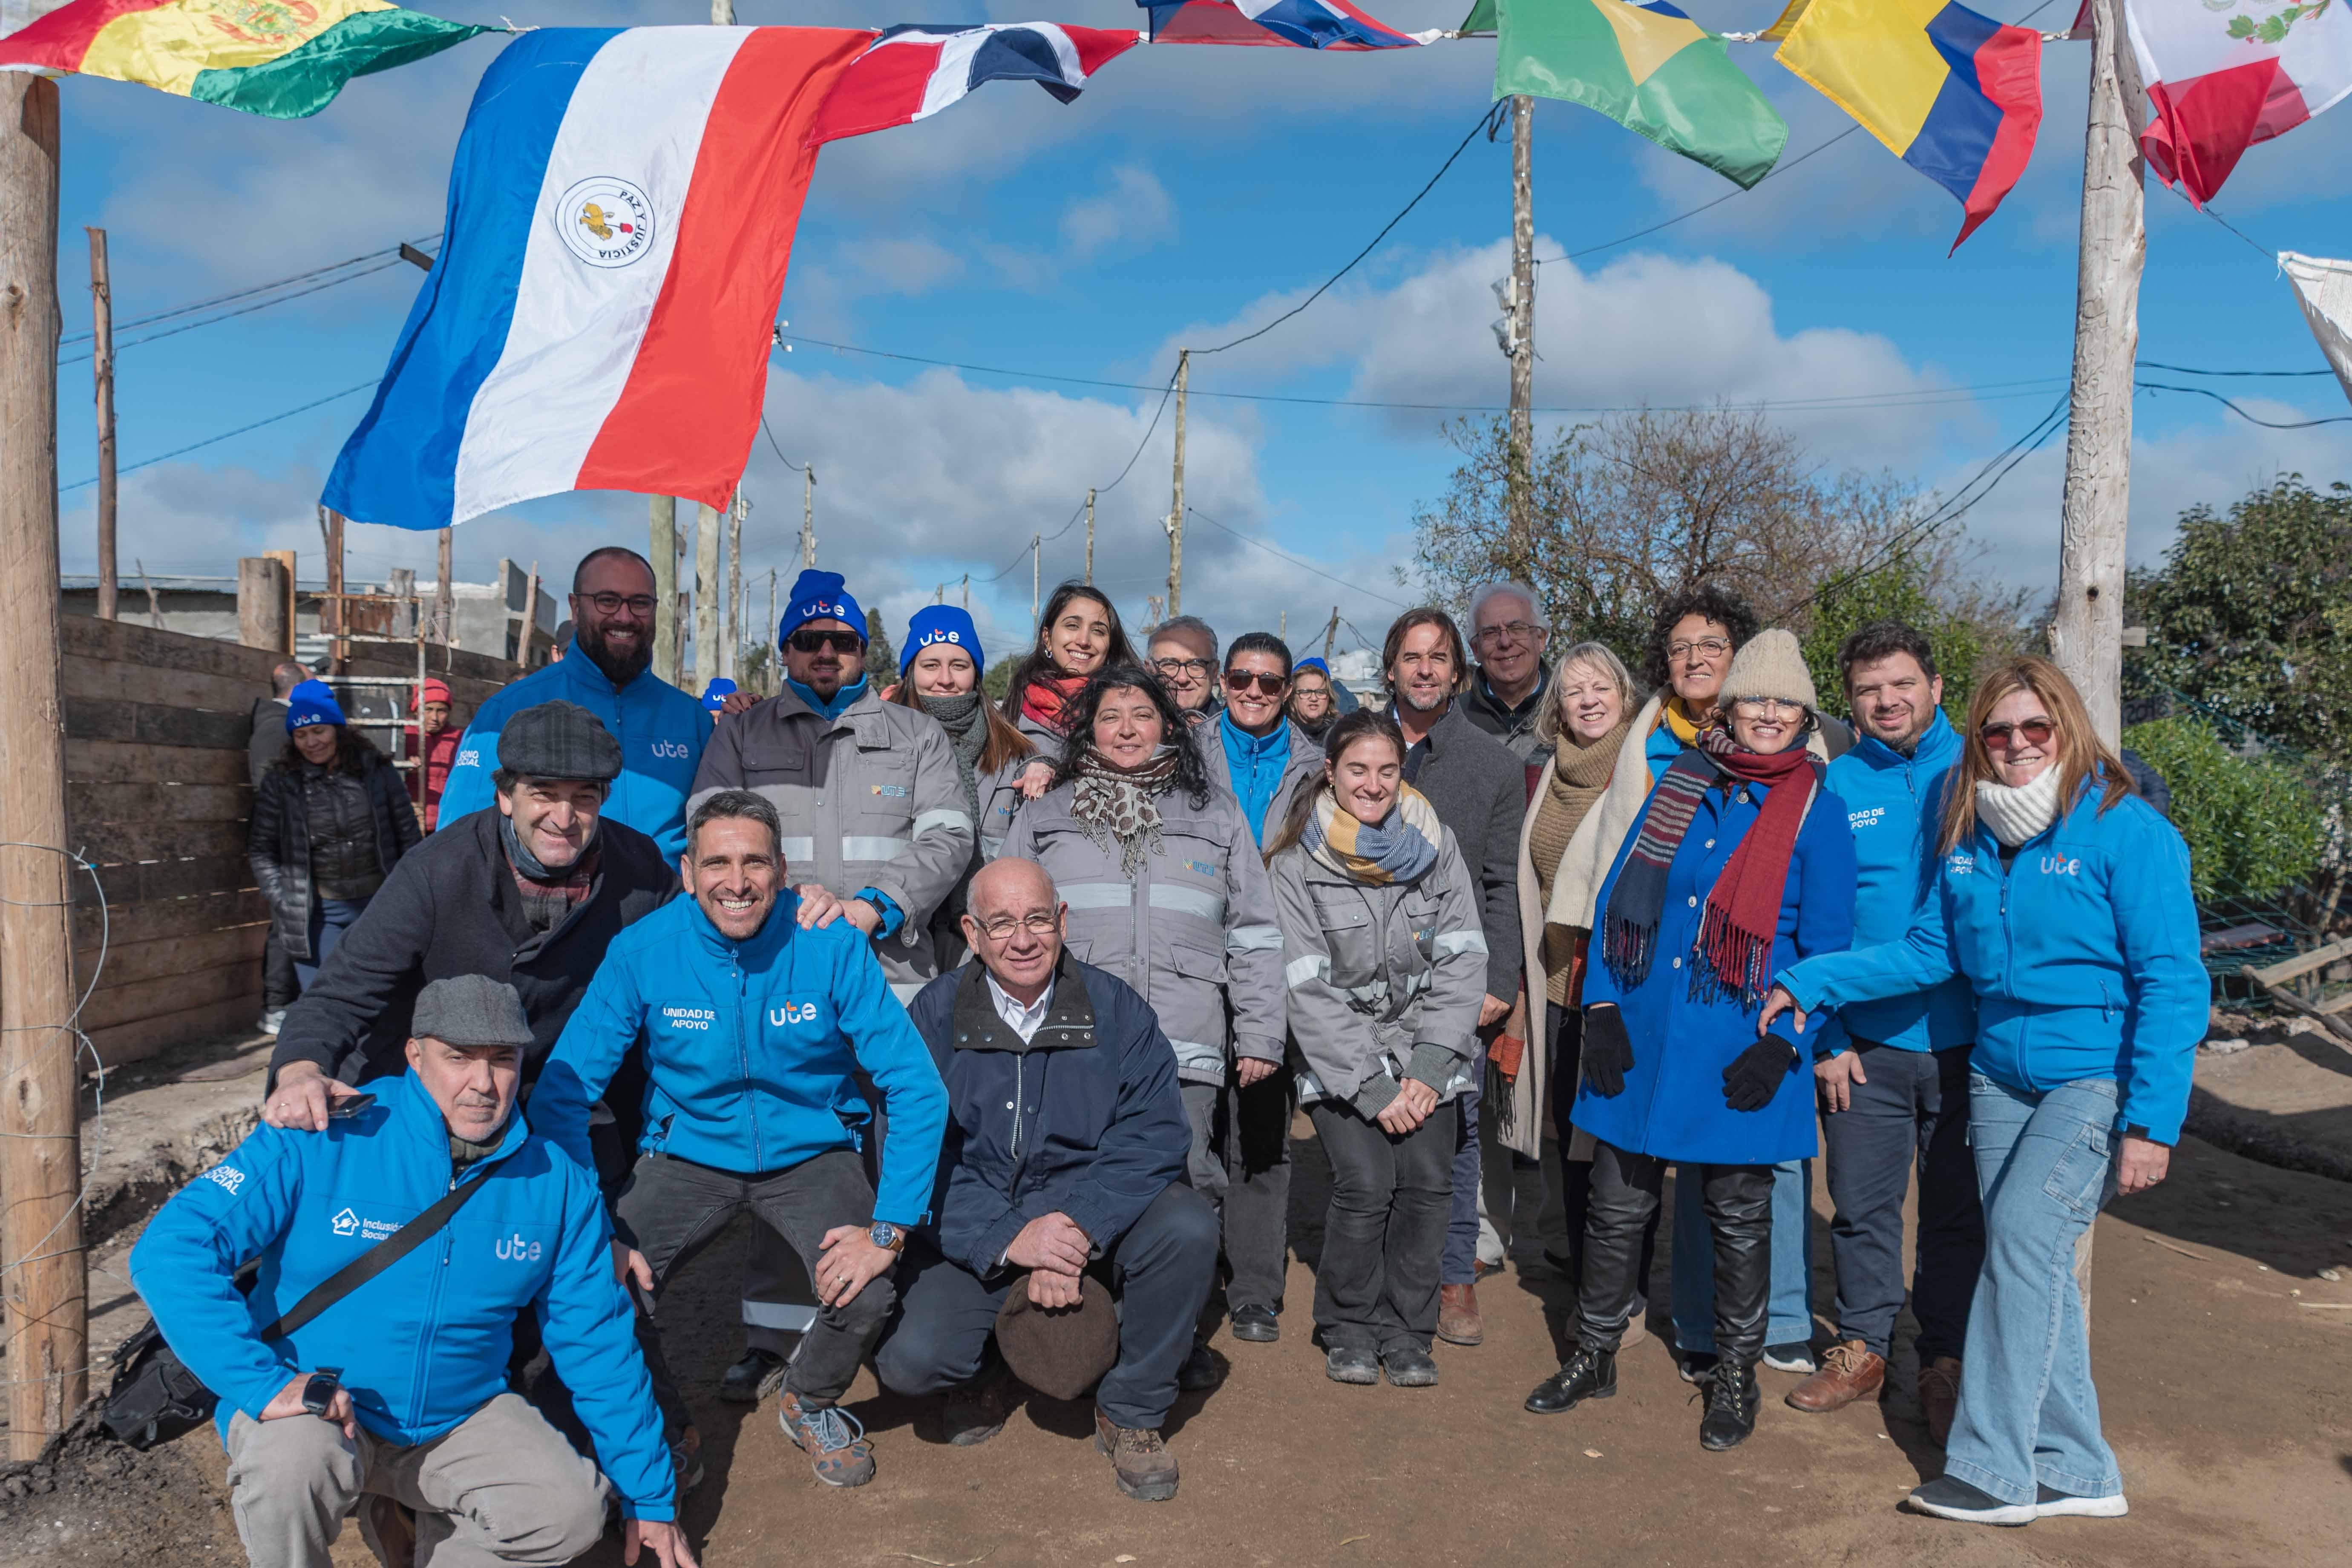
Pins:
x: 2065, y: 900
x: 1740, y: 863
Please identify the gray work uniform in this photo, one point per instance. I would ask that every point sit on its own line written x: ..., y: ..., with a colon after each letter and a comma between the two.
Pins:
x: 1303, y: 770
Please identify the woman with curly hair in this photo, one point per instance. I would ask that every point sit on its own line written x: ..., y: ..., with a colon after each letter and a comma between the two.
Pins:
x: 1165, y: 890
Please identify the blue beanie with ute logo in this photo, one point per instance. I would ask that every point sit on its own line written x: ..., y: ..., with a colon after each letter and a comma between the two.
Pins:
x: 935, y: 624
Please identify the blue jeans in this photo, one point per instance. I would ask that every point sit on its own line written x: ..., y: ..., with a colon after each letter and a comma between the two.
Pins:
x: 2028, y: 1414
x: 1459, y: 1263
x: 1789, y: 1314
x: 330, y: 919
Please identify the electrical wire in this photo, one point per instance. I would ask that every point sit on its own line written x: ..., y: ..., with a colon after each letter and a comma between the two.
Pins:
x: 1294, y: 561
x: 2191, y: 370
x: 134, y: 322
x: 796, y: 467
x: 367, y: 385
x: 1703, y: 207
x: 231, y: 315
x: 2249, y: 418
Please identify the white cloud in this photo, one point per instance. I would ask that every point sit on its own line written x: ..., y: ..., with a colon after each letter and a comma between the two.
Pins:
x: 1135, y: 210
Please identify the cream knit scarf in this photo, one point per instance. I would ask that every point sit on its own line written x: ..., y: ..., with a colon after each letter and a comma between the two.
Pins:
x: 2016, y: 813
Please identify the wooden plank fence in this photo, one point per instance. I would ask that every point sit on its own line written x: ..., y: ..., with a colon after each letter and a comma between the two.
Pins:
x: 157, y: 797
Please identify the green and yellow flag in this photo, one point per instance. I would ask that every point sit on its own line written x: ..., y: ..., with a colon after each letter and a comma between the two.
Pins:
x: 1649, y: 68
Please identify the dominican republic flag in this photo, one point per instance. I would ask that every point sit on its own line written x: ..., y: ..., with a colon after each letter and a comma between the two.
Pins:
x: 1298, y: 24
x: 620, y: 211
x: 2220, y: 79
x: 912, y: 73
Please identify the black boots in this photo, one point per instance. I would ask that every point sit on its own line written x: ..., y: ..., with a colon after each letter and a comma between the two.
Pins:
x: 1732, y: 1398
x: 1587, y: 1373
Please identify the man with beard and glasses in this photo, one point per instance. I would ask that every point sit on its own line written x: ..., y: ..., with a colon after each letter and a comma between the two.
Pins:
x: 661, y: 729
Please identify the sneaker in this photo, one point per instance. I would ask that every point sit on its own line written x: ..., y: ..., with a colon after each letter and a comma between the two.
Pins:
x: 1732, y: 1398
x: 753, y: 1379
x: 1410, y: 1368
x: 833, y: 1440
x: 1341, y: 1364
x: 1458, y: 1322
x: 1795, y: 1356
x: 1692, y: 1366
x: 389, y: 1530
x: 1939, y: 1395
x: 1587, y: 1373
x: 1948, y: 1499
x: 2049, y: 1504
x: 1201, y: 1370
x: 978, y: 1411
x: 272, y: 1020
x: 1850, y: 1371
x: 1258, y: 1325
x: 685, y: 1458
x: 1140, y: 1462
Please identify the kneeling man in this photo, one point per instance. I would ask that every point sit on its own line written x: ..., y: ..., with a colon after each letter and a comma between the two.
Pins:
x: 1066, y: 1150
x: 395, y: 1396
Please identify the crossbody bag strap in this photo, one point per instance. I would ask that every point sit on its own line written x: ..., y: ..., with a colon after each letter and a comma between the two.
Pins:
x: 376, y: 1258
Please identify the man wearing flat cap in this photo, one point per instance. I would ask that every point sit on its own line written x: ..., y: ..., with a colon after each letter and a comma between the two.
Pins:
x: 393, y: 1399
x: 529, y: 892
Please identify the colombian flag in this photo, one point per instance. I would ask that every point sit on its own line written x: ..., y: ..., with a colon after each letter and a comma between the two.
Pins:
x: 283, y: 58
x: 1955, y: 95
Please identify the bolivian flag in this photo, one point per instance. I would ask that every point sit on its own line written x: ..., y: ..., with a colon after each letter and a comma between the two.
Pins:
x: 284, y: 58
x: 1649, y: 68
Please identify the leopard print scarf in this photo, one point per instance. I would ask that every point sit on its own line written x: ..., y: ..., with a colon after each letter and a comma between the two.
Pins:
x: 1117, y: 807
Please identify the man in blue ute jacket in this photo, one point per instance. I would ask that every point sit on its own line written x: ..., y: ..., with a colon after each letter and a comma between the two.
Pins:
x: 1896, y: 1089
x: 661, y: 729
x: 754, y: 1029
x: 394, y: 1397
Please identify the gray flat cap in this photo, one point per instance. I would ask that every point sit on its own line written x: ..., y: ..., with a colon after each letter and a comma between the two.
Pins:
x: 559, y: 740
x: 471, y: 1010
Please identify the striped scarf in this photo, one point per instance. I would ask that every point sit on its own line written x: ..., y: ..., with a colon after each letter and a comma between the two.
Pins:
x: 1743, y: 909
x: 1376, y: 854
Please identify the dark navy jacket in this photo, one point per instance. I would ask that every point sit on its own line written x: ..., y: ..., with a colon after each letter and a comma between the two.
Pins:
x: 1086, y: 1118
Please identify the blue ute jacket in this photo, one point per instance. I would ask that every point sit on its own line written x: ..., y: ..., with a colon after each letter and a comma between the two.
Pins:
x: 750, y: 1050
x: 424, y: 1344
x: 661, y: 729
x: 2083, y: 954
x: 1895, y: 804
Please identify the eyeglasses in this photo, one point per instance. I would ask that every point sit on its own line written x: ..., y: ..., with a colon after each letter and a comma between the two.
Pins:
x: 2031, y: 732
x: 1706, y: 647
x: 1241, y: 680
x: 1757, y: 707
x: 1037, y: 922
x: 812, y: 642
x: 611, y: 603
x: 1174, y: 667
x: 1518, y: 631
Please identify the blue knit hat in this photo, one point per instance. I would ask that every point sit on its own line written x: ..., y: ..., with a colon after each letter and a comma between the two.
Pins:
x: 719, y: 689
x: 311, y: 703
x: 1312, y: 664
x: 941, y: 624
x: 820, y: 597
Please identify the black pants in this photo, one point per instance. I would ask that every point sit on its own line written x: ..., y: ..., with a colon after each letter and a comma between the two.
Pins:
x: 1624, y: 1199
x: 1241, y: 1164
x: 1576, y: 1182
x: 278, y: 986
x: 1912, y: 1107
x: 1376, y: 1288
x: 672, y: 1208
x: 1160, y: 1270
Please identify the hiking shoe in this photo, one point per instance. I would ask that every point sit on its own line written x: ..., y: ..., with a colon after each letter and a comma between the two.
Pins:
x: 389, y: 1530
x: 1410, y: 1368
x: 1939, y: 1395
x: 978, y: 1410
x: 1587, y: 1373
x: 1201, y: 1370
x: 833, y: 1440
x: 2049, y: 1504
x: 1948, y: 1499
x: 685, y: 1458
x: 1849, y: 1370
x: 1257, y: 1324
x: 1458, y: 1322
x: 1732, y: 1398
x: 1344, y: 1365
x: 1795, y: 1356
x: 1140, y: 1462
x: 1692, y: 1367
x: 753, y: 1379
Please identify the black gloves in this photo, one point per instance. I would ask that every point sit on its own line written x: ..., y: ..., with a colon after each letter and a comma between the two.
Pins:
x: 1607, y: 1051
x: 1755, y: 1074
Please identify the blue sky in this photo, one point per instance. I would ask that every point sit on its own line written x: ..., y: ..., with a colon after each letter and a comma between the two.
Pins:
x: 1190, y: 195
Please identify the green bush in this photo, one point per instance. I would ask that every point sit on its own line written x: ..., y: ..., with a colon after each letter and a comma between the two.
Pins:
x: 2251, y: 824
x: 999, y: 678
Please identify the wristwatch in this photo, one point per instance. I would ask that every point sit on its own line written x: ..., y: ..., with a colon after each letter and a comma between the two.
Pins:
x: 319, y: 1388
x: 887, y: 1236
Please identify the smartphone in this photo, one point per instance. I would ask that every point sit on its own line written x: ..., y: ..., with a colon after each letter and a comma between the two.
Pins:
x: 350, y: 1105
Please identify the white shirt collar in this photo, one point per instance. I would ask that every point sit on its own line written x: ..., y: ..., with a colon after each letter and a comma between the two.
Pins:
x: 1024, y: 1021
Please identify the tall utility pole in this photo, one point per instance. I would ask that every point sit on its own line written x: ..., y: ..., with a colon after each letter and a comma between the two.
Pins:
x: 331, y: 608
x: 808, y: 517
x: 733, y: 635
x: 2086, y: 634
x: 1176, y: 507
x: 445, y: 596
x: 101, y: 373
x: 1036, y: 581
x: 967, y: 593
x: 1091, y: 536
x: 1330, y: 634
x: 661, y: 549
x: 706, y: 594
x: 774, y: 685
x: 1523, y: 334
x: 43, y: 1270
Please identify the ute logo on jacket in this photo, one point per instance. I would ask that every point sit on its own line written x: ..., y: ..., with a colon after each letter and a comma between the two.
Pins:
x: 793, y: 1013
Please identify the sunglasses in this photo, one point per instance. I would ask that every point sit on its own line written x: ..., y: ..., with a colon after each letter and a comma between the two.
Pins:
x: 2032, y: 733
x: 812, y: 642
x: 1268, y: 685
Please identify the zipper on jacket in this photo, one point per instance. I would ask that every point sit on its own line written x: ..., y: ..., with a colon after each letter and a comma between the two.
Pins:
x: 432, y: 1320
x: 743, y: 1055
x: 1020, y: 1093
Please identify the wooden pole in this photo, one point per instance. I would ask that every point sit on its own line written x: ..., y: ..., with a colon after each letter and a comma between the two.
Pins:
x: 774, y: 682
x: 530, y: 619
x: 1523, y: 326
x: 1176, y: 507
x: 102, y: 371
x: 808, y: 516
x: 330, y: 609
x: 290, y: 619
x: 662, y: 550
x: 2087, y: 634
x: 1090, y: 537
x: 733, y: 636
x: 445, y: 596
x: 707, y: 592
x: 1035, y: 580
x: 1330, y: 633
x: 261, y: 603
x: 967, y: 593
x: 42, y: 1268
x: 155, y: 607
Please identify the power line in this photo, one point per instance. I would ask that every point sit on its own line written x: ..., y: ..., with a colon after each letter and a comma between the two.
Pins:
x: 1294, y: 561
x: 2249, y: 418
x: 1703, y: 207
x: 247, y: 310
x: 366, y: 385
x: 796, y: 467
x: 2191, y: 370
x: 153, y: 316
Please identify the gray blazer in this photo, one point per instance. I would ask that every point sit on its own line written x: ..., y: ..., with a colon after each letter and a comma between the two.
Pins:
x: 1480, y: 791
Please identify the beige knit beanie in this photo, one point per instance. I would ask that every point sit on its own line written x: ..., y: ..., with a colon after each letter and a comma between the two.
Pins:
x: 1770, y: 664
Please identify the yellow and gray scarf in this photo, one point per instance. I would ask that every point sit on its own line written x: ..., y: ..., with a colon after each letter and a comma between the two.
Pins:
x: 1377, y: 855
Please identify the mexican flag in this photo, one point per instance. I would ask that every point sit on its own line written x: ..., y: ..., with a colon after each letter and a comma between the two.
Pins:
x: 2222, y: 77
x: 283, y: 58
x: 1648, y: 66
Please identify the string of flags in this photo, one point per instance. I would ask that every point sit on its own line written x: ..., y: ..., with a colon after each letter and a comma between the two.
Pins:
x: 598, y: 316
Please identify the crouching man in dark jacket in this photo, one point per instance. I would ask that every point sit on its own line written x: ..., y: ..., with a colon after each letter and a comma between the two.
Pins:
x: 1065, y: 1153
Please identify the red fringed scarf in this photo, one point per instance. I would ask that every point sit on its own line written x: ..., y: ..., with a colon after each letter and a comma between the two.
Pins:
x: 1047, y: 698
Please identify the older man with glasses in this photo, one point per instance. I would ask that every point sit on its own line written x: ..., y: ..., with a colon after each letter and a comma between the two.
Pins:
x: 1507, y: 635
x: 1183, y: 654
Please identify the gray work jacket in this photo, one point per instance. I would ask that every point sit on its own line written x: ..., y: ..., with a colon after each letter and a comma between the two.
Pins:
x: 1384, y: 982
x: 870, y: 800
x: 1191, y: 932
x: 1304, y: 769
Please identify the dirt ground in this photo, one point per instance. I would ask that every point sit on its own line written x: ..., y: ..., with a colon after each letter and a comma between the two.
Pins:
x: 2222, y: 1343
